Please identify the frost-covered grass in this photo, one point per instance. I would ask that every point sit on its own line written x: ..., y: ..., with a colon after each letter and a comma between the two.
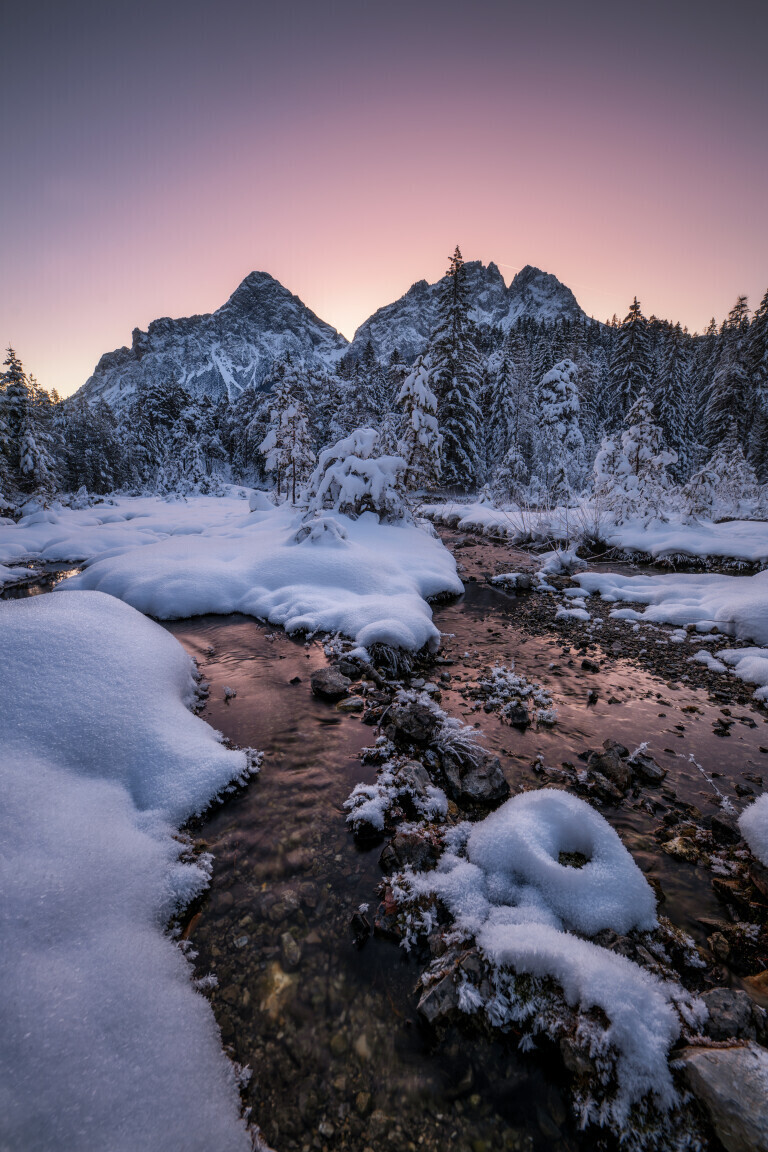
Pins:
x: 173, y: 559
x: 105, y: 1043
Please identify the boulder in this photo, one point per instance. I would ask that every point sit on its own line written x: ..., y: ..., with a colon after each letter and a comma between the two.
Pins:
x: 725, y: 828
x: 414, y: 723
x: 646, y: 768
x: 731, y: 1084
x: 730, y: 1014
x: 475, y: 778
x: 409, y: 848
x: 612, y: 764
x: 413, y: 777
x: 329, y: 684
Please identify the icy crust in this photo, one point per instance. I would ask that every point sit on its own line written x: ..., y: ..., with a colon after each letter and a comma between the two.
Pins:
x: 508, y: 893
x: 365, y: 579
x: 105, y: 1043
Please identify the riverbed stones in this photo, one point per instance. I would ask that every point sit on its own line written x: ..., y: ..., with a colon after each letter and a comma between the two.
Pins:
x: 409, y: 848
x: 290, y: 951
x: 413, y: 777
x: 439, y: 1000
x: 646, y: 769
x: 351, y: 704
x: 329, y: 684
x: 474, y: 778
x: 732, y: 1086
x: 612, y: 763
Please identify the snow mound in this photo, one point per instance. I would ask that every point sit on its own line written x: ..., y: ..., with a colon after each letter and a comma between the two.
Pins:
x: 105, y: 1043
x: 517, y: 848
x: 643, y: 1023
x: 367, y: 580
x: 736, y: 605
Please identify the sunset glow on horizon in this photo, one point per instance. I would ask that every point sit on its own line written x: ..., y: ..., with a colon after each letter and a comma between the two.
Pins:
x: 158, y: 154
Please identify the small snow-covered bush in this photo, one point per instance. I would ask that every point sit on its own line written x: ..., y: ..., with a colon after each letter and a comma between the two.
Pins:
x: 351, y: 479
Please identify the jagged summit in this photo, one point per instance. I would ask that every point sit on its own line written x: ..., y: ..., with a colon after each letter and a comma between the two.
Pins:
x: 222, y: 353
x: 407, y: 323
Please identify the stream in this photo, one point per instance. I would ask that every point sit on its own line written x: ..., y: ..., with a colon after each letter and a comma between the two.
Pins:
x: 339, y: 1057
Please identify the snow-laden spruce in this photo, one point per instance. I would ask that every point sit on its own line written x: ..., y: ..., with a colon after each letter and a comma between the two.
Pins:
x: 104, y: 1042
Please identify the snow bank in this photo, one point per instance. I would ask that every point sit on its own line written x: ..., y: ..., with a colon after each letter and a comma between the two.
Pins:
x: 643, y: 1022
x: 735, y: 605
x: 736, y: 539
x: 175, y: 559
x: 502, y: 881
x: 366, y: 580
x: 750, y: 665
x: 753, y: 823
x: 104, y: 1041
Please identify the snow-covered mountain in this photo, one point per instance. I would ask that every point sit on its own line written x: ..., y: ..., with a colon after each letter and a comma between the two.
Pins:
x: 407, y: 323
x: 222, y: 353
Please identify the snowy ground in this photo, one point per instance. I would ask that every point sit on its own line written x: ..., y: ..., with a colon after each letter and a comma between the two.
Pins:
x: 173, y: 559
x: 744, y: 540
x: 105, y: 1043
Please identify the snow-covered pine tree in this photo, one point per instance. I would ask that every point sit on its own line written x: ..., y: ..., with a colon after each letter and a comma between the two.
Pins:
x: 671, y: 394
x: 351, y: 477
x: 725, y: 481
x: 421, y: 441
x: 632, y: 363
x: 757, y: 373
x: 728, y: 394
x: 287, y: 447
x: 510, y: 478
x: 15, y: 395
x: 630, y: 476
x: 560, y: 448
x: 504, y: 415
x: 456, y: 378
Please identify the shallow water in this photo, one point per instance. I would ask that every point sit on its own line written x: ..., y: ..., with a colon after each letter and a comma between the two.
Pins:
x: 338, y: 1055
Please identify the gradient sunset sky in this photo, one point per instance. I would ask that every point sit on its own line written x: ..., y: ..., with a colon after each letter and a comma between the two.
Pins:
x: 155, y: 153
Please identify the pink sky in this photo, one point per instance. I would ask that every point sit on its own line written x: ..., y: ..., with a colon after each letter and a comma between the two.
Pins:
x: 346, y: 152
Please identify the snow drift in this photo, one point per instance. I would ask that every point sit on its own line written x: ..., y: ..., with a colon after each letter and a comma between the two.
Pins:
x: 104, y: 1042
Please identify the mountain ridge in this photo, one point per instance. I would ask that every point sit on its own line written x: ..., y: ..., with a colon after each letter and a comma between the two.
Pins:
x: 220, y: 354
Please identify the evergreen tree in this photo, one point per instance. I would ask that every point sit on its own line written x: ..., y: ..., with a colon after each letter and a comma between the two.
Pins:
x: 757, y: 375
x: 728, y: 395
x: 456, y: 379
x: 724, y: 481
x: 630, y: 476
x: 672, y: 388
x: 632, y: 364
x: 421, y: 440
x: 561, y: 444
x: 287, y: 447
